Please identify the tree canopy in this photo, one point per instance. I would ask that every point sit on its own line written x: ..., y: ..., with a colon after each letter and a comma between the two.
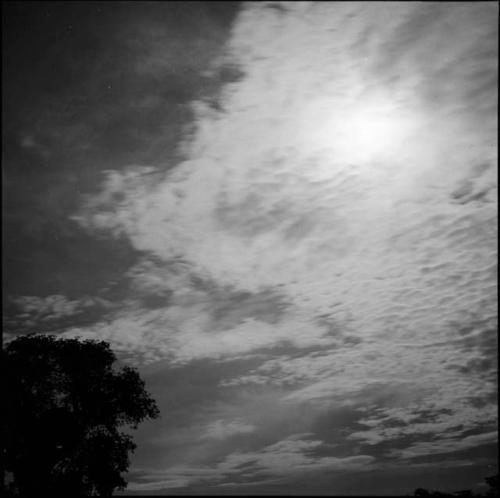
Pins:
x: 491, y: 492
x: 65, y: 402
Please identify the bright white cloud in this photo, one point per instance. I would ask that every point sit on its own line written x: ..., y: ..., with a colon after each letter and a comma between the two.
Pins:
x: 353, y: 172
x: 260, y: 204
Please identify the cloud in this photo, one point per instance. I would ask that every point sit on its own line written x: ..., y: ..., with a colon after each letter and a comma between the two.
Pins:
x: 49, y: 313
x: 221, y: 429
x: 269, y: 464
x: 185, y: 333
x: 447, y: 445
x: 292, y: 453
x: 383, y: 259
x: 172, y: 482
x: 386, y: 239
x: 444, y: 425
x: 55, y: 305
x: 171, y: 312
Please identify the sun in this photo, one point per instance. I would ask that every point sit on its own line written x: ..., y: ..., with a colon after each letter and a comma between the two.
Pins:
x: 373, y: 130
x: 363, y: 131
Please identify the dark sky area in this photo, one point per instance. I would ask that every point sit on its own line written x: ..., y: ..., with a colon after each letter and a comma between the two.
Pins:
x: 87, y: 88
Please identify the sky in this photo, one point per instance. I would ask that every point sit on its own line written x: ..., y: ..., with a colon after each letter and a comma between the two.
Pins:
x: 283, y: 214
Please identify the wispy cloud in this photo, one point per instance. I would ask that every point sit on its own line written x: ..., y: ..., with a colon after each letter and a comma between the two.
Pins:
x: 375, y: 265
x: 53, y: 312
x: 446, y: 445
x: 270, y: 463
x: 222, y: 429
x: 381, y: 245
x: 185, y: 333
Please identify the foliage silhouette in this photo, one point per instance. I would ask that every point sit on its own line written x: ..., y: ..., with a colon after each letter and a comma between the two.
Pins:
x: 65, y: 403
x: 492, y: 482
x: 492, y: 491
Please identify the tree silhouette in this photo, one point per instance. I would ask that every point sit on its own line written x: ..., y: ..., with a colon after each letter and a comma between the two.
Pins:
x: 492, y: 491
x: 65, y: 403
x: 492, y: 482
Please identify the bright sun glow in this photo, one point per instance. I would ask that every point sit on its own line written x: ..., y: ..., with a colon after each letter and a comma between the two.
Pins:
x: 363, y: 132
x: 371, y: 131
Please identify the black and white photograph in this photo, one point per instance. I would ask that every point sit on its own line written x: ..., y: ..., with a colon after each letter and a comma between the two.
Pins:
x: 250, y: 248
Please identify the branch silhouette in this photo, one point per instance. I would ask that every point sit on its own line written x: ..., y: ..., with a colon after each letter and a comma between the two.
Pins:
x: 65, y: 404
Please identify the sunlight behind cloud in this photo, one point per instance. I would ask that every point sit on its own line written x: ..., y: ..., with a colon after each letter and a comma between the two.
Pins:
x: 344, y: 173
x: 285, y: 215
x: 367, y: 130
x: 331, y: 179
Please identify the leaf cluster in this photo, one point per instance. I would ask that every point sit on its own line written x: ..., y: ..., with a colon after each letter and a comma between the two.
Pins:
x: 65, y: 404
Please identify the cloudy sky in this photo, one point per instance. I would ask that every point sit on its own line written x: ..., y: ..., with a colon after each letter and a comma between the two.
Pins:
x: 283, y: 214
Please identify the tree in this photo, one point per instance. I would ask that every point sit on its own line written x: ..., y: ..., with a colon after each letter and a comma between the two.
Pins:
x: 492, y: 482
x: 464, y: 493
x: 421, y: 493
x: 65, y: 404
